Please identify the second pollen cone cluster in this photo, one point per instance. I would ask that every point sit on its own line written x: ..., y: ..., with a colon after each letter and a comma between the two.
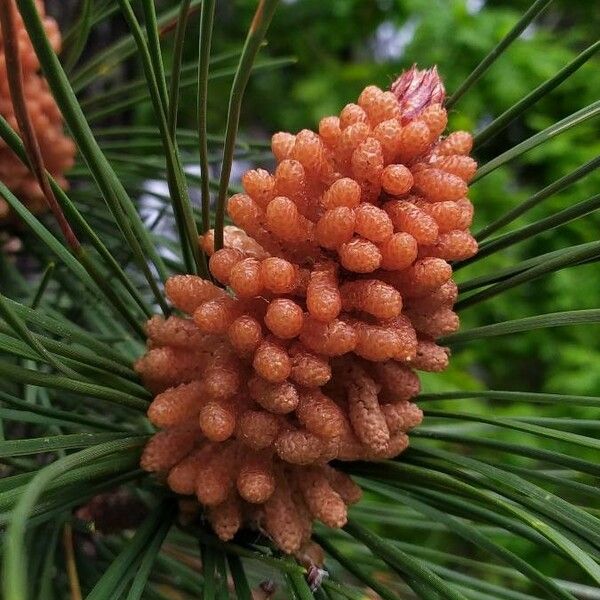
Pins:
x: 58, y: 150
x: 336, y: 282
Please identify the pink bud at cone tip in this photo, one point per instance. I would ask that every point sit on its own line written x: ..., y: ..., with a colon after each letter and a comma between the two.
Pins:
x: 416, y: 90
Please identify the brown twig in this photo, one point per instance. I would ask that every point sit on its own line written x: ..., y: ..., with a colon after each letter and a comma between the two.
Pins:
x: 70, y: 556
x: 171, y: 25
x: 15, y: 84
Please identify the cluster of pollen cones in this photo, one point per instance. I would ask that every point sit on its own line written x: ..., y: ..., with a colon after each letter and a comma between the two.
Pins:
x: 58, y: 150
x: 334, y: 285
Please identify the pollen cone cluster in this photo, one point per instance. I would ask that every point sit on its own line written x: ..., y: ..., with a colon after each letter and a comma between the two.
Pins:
x: 58, y: 151
x: 334, y: 284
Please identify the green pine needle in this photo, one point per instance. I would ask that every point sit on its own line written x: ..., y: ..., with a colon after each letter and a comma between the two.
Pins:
x: 534, y: 10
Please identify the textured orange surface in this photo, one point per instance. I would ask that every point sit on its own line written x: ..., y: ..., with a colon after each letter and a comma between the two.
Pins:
x: 338, y: 283
x: 58, y: 150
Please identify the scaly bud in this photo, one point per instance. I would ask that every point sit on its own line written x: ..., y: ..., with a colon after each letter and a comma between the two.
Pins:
x: 416, y: 89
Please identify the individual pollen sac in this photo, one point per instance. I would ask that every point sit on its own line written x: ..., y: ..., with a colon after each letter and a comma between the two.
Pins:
x: 308, y: 370
x: 188, y: 292
x: 326, y: 300
x: 245, y: 279
x: 182, y: 477
x: 458, y: 142
x: 436, y: 119
x: 350, y: 138
x: 278, y: 275
x: 397, y: 380
x: 308, y: 151
x: 259, y: 185
x: 438, y: 185
x: 215, y: 477
x: 367, y: 161
x: 299, y: 446
x: 335, y: 227
x: 378, y: 105
x: 272, y: 362
x: 176, y: 406
x: 226, y: 517
x: 372, y: 296
x: 375, y: 342
x: 215, y: 316
x: 167, y: 366
x: 284, y: 318
x: 369, y: 96
x: 435, y: 324
x: 217, y: 420
x: 234, y: 238
x: 168, y: 447
x: 409, y: 218
x: 398, y: 252
x: 365, y: 413
x: 456, y: 164
x: 291, y: 182
x: 245, y: 213
x: 388, y: 134
x: 245, y: 335
x: 331, y: 339
x: 282, y: 144
x: 396, y: 180
x: 323, y: 299
x: 444, y: 295
x: 178, y: 332
x: 449, y: 215
x: 257, y: 429
x: 284, y: 221
x: 222, y: 262
x: 329, y: 130
x: 256, y: 478
x: 342, y: 192
x: 360, y: 256
x: 320, y: 415
x: 401, y: 415
x: 413, y: 141
x: 352, y: 113
x: 321, y: 499
x: 372, y: 223
x: 453, y: 245
x: 421, y: 278
x: 431, y: 357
